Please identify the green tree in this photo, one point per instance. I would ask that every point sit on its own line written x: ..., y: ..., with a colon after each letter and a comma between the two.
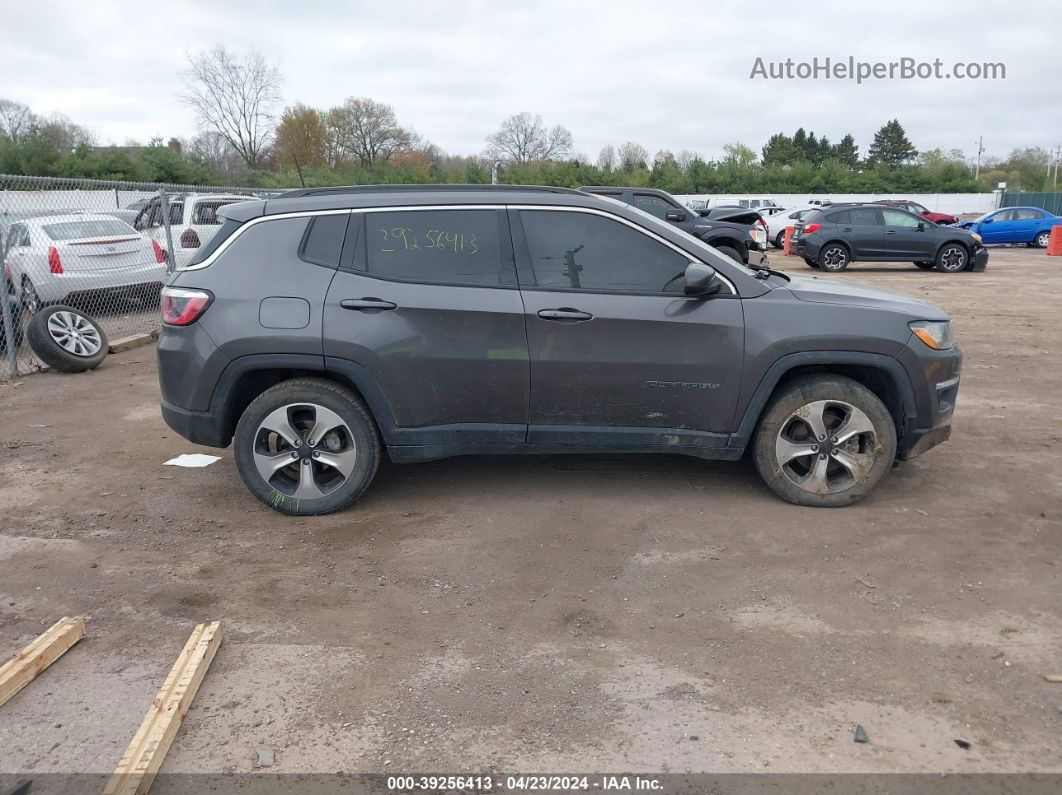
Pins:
x: 891, y: 147
x: 846, y: 151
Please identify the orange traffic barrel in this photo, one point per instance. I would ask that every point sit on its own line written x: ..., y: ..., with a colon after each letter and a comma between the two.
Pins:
x: 1054, y: 243
x: 787, y: 249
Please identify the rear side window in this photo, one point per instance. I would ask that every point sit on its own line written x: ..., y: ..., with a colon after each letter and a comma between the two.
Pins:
x: 865, y: 216
x: 653, y: 205
x: 228, y: 226
x: 459, y: 247
x: 323, y: 242
x: 206, y: 213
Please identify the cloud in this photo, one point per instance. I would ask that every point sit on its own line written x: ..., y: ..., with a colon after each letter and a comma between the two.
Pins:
x: 667, y: 76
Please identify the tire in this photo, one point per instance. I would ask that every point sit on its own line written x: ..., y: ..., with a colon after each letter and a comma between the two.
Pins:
x: 833, y: 258
x: 307, y: 486
x: 730, y: 252
x: 850, y: 468
x: 810, y: 262
x: 1041, y: 240
x: 926, y: 265
x: 779, y: 240
x: 952, y: 258
x: 30, y: 300
x: 66, y: 340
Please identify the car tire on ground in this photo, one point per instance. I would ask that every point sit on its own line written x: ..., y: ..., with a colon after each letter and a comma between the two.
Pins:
x: 1041, y: 240
x: 730, y: 252
x: 294, y: 473
x: 824, y: 441
x: 952, y: 258
x: 30, y: 300
x: 66, y: 340
x: 926, y: 265
x: 833, y: 258
x: 810, y: 262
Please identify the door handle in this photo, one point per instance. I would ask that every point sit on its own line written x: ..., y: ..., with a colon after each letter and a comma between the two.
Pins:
x: 890, y: 231
x: 564, y: 313
x: 360, y: 304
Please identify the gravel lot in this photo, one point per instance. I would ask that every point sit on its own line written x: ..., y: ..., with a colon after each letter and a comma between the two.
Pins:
x: 585, y: 613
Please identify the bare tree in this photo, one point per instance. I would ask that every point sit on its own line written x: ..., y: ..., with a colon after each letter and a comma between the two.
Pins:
x: 62, y: 132
x: 16, y: 119
x: 234, y: 96
x: 685, y: 159
x: 523, y: 138
x: 365, y: 129
x: 606, y: 158
x: 213, y: 148
x: 632, y: 156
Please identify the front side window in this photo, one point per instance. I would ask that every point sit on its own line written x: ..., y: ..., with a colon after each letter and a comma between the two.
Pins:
x: 584, y: 251
x: 460, y: 247
x: 206, y: 213
x: 897, y: 218
x: 1005, y: 215
x: 653, y: 205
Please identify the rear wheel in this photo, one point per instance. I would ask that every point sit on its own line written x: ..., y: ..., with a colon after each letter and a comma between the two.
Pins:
x: 779, y: 240
x: 833, y: 258
x: 30, y: 300
x: 307, y: 446
x: 952, y: 258
x: 1041, y: 240
x: 824, y: 441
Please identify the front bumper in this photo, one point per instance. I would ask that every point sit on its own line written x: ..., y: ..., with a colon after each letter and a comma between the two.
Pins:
x: 935, y: 378
x: 979, y: 259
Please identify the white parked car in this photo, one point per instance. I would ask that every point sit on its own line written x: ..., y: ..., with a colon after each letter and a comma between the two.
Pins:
x: 56, y: 258
x: 193, y: 221
x: 778, y: 221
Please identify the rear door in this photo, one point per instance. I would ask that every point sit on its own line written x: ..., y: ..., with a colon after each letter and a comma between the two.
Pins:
x: 908, y: 236
x: 1026, y: 221
x: 427, y: 308
x: 619, y: 356
x: 864, y: 232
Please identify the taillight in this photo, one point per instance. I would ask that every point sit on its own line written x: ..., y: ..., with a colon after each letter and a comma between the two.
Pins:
x: 55, y: 265
x: 160, y: 255
x: 811, y: 228
x: 182, y: 307
x: 762, y: 223
x: 189, y: 239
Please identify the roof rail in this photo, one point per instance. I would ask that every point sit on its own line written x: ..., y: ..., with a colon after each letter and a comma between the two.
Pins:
x: 332, y: 191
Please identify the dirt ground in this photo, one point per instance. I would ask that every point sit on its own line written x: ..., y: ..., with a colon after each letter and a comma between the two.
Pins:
x: 557, y: 614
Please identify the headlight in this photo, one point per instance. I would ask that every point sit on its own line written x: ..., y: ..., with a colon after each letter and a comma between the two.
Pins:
x: 975, y: 236
x: 934, y: 333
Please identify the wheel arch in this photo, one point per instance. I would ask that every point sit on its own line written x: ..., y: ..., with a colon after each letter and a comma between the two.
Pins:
x: 882, y: 375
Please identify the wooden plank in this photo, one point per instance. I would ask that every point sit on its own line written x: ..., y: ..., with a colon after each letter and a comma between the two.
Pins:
x: 46, y: 649
x: 143, y: 758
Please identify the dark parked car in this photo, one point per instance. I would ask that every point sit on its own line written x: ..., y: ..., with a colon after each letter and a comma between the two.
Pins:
x: 1029, y: 225
x: 320, y: 329
x: 734, y: 231
x: 836, y: 236
x: 920, y: 209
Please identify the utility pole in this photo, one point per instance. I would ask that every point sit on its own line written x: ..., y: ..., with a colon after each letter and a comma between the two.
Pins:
x: 980, y: 151
x: 1058, y: 155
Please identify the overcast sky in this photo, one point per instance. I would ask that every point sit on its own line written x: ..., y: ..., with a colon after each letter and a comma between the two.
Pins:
x: 668, y: 75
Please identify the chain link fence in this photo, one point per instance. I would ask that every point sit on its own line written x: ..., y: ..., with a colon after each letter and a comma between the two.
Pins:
x: 104, y: 248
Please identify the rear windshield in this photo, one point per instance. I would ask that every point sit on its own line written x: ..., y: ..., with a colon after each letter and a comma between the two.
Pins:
x: 73, y: 230
x: 813, y: 216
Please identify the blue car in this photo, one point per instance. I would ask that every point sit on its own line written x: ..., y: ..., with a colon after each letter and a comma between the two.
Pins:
x: 1029, y: 225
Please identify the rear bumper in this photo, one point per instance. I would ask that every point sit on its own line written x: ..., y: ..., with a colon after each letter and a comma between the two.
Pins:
x: 200, y: 427
x: 60, y: 286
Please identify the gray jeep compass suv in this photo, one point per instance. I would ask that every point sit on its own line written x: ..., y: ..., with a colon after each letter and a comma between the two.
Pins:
x: 322, y: 327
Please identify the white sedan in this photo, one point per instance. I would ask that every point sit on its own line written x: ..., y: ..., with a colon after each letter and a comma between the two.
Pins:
x: 777, y: 222
x: 56, y: 258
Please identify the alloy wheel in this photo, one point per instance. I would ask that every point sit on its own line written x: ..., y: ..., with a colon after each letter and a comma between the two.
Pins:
x: 1042, y: 240
x: 30, y: 299
x: 74, y: 333
x: 826, y: 446
x: 953, y: 258
x: 304, y: 451
x: 834, y: 259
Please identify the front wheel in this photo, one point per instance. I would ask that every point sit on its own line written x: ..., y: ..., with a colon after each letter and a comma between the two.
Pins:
x: 810, y: 262
x: 952, y: 258
x: 824, y: 441
x: 730, y: 252
x: 307, y: 446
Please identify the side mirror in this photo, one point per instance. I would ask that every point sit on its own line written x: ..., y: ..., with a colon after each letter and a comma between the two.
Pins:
x: 921, y: 226
x: 700, y: 279
x: 675, y: 215
x: 987, y: 221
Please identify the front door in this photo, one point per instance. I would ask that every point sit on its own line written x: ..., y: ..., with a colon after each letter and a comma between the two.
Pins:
x: 619, y: 356
x: 428, y: 311
x: 908, y: 236
x: 998, y: 228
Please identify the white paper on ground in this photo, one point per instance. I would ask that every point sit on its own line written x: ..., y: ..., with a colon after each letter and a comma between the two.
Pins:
x: 192, y: 460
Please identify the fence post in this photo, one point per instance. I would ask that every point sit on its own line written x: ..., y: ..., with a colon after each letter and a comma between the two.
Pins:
x: 5, y: 310
x: 171, y: 260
